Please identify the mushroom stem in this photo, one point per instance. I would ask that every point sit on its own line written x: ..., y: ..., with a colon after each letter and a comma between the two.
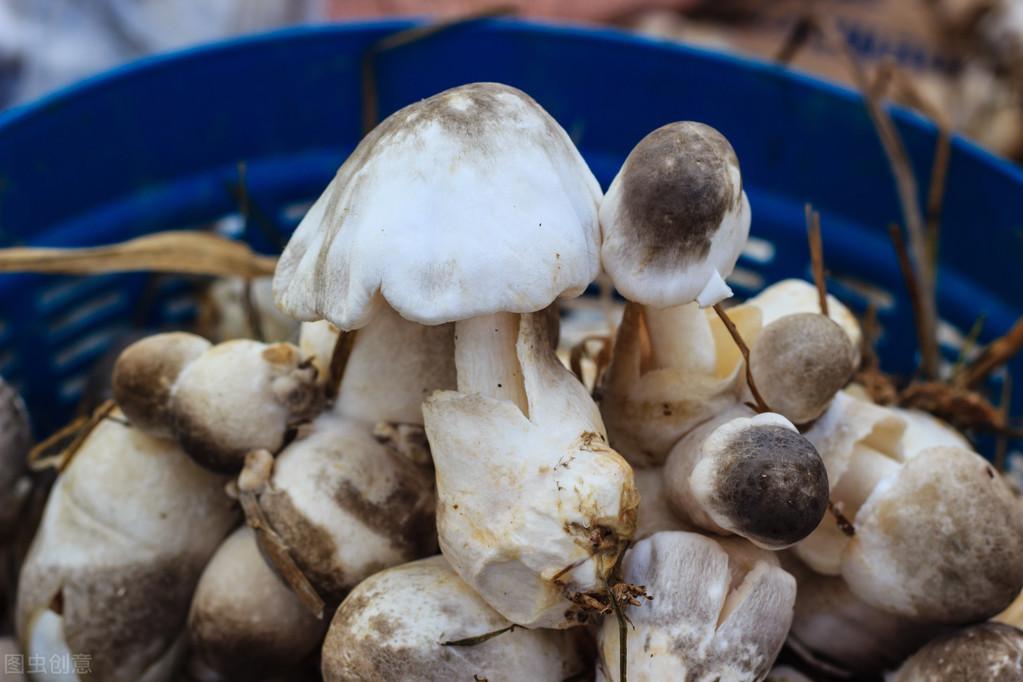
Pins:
x: 486, y: 360
x: 680, y: 338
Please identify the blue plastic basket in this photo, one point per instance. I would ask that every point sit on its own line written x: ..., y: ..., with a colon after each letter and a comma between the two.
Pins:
x: 155, y: 146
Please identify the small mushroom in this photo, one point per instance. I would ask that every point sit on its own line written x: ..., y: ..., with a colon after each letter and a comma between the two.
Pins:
x: 987, y: 651
x: 720, y: 610
x: 219, y: 402
x: 794, y: 296
x: 245, y: 623
x: 799, y: 362
x: 411, y: 622
x: 749, y: 474
x: 128, y: 528
x: 924, y: 430
x: 235, y: 309
x: 345, y: 504
x: 833, y: 627
x: 674, y: 222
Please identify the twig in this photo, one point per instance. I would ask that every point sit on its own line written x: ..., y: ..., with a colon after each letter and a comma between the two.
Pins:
x: 915, y: 300
x: 994, y: 355
x: 906, y: 188
x: 255, y: 319
x: 797, y: 37
x: 181, y: 252
x: 623, y: 634
x: 761, y: 406
x: 479, y: 639
x: 813, y: 231
x: 370, y: 93
x: 969, y: 344
x: 78, y: 430
x: 843, y: 522
x: 251, y: 213
x: 1002, y: 444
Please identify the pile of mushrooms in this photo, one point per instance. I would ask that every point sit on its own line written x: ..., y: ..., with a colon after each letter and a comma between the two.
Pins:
x: 418, y: 488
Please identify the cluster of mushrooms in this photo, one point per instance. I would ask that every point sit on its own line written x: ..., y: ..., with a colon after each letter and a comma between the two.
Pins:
x: 420, y: 489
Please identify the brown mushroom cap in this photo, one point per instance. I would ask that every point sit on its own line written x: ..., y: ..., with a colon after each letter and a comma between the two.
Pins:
x: 144, y: 374
x: 799, y: 362
x: 942, y: 541
x: 992, y: 652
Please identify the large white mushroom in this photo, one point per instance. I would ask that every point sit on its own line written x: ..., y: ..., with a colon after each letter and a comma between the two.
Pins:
x: 127, y: 530
x: 400, y: 625
x: 673, y: 222
x: 473, y: 207
x: 720, y: 611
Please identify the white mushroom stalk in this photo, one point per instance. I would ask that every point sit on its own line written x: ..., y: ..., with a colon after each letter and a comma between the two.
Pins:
x: 127, y: 530
x: 404, y: 623
x: 720, y: 611
x: 244, y: 622
x: 749, y: 474
x: 833, y: 626
x: 219, y: 402
x: 986, y: 651
x: 533, y: 507
x: 674, y: 222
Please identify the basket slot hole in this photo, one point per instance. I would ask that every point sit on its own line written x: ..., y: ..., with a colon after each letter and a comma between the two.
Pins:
x: 71, y: 389
x: 87, y: 311
x: 86, y: 348
x: 748, y: 280
x: 231, y: 226
x: 177, y: 308
x: 758, y: 250
x: 291, y: 214
x: 868, y: 293
x: 68, y: 291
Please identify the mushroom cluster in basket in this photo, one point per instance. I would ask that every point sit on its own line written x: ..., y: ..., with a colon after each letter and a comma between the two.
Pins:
x: 420, y: 488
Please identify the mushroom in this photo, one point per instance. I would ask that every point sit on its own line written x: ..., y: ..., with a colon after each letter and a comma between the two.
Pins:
x: 533, y: 507
x: 784, y: 673
x: 233, y: 308
x: 799, y: 362
x: 674, y: 222
x: 924, y: 430
x: 654, y: 513
x: 749, y: 474
x: 15, y: 440
x: 405, y: 623
x: 794, y: 296
x: 986, y: 651
x: 720, y: 611
x: 245, y: 623
x: 219, y: 402
x: 833, y: 628
x: 345, y: 504
x: 937, y: 538
x: 128, y: 527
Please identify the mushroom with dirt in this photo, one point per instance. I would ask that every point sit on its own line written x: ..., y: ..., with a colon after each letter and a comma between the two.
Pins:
x: 720, y: 610
x: 420, y: 621
x: 986, y: 651
x: 750, y: 474
x: 497, y: 219
x: 127, y: 530
x: 674, y: 222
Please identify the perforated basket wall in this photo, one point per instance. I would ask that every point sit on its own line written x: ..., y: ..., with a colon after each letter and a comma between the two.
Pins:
x: 155, y: 146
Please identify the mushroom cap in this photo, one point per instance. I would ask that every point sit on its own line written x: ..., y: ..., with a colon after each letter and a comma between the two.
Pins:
x: 986, y: 651
x: 393, y: 624
x: 144, y: 375
x: 470, y: 202
x: 759, y: 478
x: 720, y: 611
x: 245, y: 622
x: 942, y: 542
x: 675, y: 217
x: 799, y: 362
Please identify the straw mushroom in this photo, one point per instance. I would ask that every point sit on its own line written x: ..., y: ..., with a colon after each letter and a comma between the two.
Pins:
x: 245, y: 623
x: 127, y: 529
x: 986, y: 651
x: 533, y: 507
x: 832, y: 625
x: 799, y: 362
x: 749, y: 474
x: 654, y: 513
x: 720, y: 611
x: 346, y: 505
x: 674, y: 222
x: 219, y: 401
x: 400, y: 625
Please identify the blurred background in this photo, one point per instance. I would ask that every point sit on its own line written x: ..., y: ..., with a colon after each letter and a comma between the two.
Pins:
x: 962, y: 58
